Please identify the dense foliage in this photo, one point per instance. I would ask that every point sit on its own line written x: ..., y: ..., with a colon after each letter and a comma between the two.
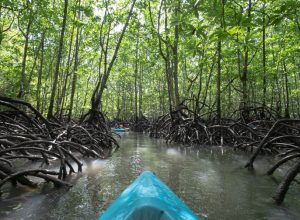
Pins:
x: 219, y: 56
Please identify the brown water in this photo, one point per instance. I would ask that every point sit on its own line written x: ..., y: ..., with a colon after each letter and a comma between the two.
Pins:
x: 211, y: 181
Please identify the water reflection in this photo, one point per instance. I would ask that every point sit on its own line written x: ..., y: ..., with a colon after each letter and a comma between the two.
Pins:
x: 211, y: 181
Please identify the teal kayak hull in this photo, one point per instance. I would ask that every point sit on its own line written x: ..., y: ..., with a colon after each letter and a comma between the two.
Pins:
x: 148, y: 198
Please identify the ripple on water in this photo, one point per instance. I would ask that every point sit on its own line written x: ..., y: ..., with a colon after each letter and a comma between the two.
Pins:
x: 211, y: 181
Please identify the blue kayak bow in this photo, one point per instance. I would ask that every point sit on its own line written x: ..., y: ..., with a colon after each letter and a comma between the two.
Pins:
x: 148, y: 198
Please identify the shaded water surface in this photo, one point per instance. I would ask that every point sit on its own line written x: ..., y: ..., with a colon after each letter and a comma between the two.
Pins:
x: 211, y: 181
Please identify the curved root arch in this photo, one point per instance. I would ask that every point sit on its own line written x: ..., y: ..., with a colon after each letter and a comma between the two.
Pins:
x: 28, y: 136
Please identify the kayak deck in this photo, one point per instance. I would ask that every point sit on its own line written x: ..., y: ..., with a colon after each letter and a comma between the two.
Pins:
x: 148, y: 198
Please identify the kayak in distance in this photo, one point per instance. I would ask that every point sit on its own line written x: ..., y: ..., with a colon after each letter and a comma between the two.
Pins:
x: 148, y: 198
x: 120, y: 129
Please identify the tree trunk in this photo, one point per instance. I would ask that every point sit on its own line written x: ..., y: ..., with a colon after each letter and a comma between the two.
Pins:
x: 166, y: 57
x: 67, y: 74
x: 219, y: 83
x: 97, y: 102
x: 40, y: 73
x: 219, y: 66
x: 135, y: 80
x: 1, y: 27
x: 59, y: 56
x: 175, y: 57
x: 74, y: 80
x: 244, y: 77
x: 287, y: 103
x: 34, y: 62
x: 85, y: 95
x: 23, y: 71
x: 141, y: 91
x: 264, y: 60
x: 297, y: 96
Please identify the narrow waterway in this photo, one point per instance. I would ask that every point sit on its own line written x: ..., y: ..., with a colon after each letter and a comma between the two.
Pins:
x: 211, y: 181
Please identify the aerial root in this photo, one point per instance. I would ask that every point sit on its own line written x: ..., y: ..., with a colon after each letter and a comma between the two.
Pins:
x: 26, y: 135
x: 279, y: 138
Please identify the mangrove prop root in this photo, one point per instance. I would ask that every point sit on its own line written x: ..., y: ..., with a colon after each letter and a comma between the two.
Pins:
x: 25, y: 134
x: 265, y: 139
x: 285, y: 183
x: 260, y: 136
